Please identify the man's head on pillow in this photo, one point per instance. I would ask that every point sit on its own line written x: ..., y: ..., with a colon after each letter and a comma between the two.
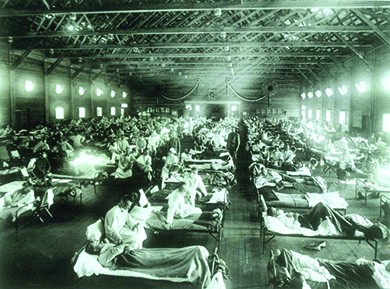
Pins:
x: 94, y: 246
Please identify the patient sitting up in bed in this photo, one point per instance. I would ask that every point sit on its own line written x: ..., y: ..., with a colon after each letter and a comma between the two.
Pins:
x: 125, y: 222
x: 16, y: 203
x: 291, y: 269
x: 188, y: 263
x: 180, y: 204
x: 196, y: 185
x: 329, y: 221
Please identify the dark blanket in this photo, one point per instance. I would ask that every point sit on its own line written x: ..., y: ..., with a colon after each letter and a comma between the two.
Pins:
x: 348, y: 275
x: 188, y: 262
x: 321, y: 211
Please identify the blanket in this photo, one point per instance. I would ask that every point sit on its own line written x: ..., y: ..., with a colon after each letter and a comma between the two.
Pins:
x: 326, y: 228
x: 188, y: 264
x: 158, y: 221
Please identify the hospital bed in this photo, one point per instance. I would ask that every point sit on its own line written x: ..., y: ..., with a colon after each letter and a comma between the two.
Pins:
x: 346, y: 274
x: 270, y: 227
x: 301, y: 201
x: 86, y: 265
x: 217, y: 197
x: 208, y: 222
x: 365, y: 188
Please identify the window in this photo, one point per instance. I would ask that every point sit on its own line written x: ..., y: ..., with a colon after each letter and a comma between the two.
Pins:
x: 112, y: 110
x: 122, y: 112
x: 59, y: 88
x: 303, y: 112
x: 386, y: 122
x: 99, y: 92
x: 329, y: 91
x: 342, y: 117
x: 59, y: 111
x: 309, y: 113
x: 343, y: 89
x: 99, y: 111
x: 29, y: 85
x: 328, y: 115
x: 124, y: 94
x: 112, y: 93
x: 81, y: 90
x: 318, y: 114
x: 125, y: 105
x: 81, y: 112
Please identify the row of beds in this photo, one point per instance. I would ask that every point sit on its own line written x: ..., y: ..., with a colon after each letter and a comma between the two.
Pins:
x: 298, y: 199
x: 211, y: 223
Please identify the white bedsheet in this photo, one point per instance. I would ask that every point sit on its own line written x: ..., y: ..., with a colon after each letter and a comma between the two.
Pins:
x: 332, y: 199
x: 88, y: 265
x: 326, y: 228
x: 304, y: 171
x: 219, y: 196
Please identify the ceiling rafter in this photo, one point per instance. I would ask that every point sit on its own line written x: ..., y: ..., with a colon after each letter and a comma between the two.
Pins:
x: 375, y: 28
x: 177, y: 7
x: 200, y: 30
x: 353, y: 49
x: 198, y: 55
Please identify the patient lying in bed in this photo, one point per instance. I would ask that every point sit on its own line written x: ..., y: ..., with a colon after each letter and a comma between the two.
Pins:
x: 188, y: 263
x: 15, y: 203
x: 326, y: 221
x: 291, y: 269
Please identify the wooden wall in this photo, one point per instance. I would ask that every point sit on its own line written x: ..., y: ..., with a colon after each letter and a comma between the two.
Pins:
x: 30, y: 108
x: 284, y: 98
x: 364, y: 109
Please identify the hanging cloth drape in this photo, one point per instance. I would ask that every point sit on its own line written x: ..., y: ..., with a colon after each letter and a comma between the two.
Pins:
x: 185, y: 95
x: 229, y: 86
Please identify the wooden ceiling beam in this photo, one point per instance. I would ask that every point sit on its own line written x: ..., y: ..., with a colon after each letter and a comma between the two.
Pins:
x: 354, y: 50
x: 197, y: 55
x: 199, y: 30
x: 263, y: 62
x: 374, y: 27
x: 175, y: 45
x: 208, y: 6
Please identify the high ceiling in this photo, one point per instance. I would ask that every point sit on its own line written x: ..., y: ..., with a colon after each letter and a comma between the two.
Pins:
x: 183, y: 40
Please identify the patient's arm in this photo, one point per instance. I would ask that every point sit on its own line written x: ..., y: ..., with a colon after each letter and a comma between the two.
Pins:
x: 109, y: 252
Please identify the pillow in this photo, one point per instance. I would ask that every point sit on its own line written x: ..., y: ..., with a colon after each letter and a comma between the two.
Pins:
x: 95, y: 230
x: 87, y: 265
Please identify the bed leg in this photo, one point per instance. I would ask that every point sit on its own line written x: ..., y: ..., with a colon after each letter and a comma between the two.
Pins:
x: 263, y: 238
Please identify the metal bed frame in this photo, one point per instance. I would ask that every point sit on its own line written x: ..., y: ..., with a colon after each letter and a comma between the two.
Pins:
x: 264, y: 233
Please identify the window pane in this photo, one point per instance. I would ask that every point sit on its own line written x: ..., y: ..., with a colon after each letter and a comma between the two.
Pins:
x: 112, y: 110
x: 81, y: 112
x: 59, y: 88
x: 318, y: 114
x: 309, y: 113
x: 386, y: 122
x: 99, y: 111
x: 59, y: 111
x: 342, y: 117
x: 328, y: 116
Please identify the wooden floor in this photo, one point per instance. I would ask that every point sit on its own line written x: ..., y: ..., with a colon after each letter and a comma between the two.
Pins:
x: 39, y: 255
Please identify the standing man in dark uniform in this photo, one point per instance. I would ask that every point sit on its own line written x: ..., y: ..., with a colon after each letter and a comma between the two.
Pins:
x: 233, y: 143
